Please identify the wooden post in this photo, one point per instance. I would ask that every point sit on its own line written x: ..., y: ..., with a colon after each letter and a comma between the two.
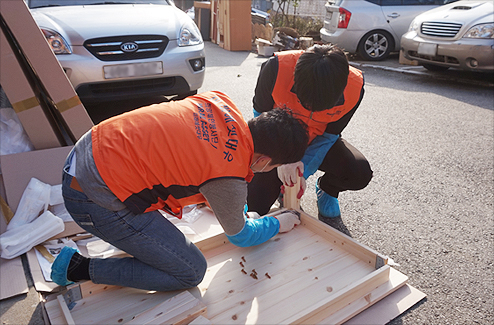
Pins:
x: 290, y: 200
x: 65, y: 310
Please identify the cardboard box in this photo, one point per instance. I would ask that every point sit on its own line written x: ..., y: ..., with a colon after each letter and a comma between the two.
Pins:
x: 12, y: 279
x: 35, y: 47
x: 18, y: 169
x: 23, y: 100
x: 231, y: 24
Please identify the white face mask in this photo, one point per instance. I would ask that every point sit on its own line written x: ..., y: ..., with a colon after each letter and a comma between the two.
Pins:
x: 263, y: 167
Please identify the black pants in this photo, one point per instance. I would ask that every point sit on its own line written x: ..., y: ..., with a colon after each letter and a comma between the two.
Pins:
x: 344, y: 167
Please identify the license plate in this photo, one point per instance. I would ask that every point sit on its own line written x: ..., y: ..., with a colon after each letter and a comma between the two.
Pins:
x: 427, y: 49
x: 133, y: 70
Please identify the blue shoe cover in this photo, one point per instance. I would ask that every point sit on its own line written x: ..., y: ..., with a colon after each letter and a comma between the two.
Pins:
x: 60, y: 266
x: 328, y: 205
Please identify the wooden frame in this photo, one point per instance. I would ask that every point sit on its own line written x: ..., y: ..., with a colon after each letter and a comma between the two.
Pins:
x: 312, y: 274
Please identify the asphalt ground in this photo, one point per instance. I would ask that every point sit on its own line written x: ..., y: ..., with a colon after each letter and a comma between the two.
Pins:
x: 429, y: 215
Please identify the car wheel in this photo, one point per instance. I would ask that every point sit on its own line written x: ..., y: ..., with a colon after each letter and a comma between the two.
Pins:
x: 375, y: 45
x: 433, y: 67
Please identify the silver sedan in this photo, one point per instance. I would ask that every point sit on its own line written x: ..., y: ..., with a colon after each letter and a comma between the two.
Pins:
x: 458, y: 35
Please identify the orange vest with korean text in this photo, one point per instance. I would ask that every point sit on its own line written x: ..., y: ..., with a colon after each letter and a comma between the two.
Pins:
x: 316, y: 121
x: 157, y: 157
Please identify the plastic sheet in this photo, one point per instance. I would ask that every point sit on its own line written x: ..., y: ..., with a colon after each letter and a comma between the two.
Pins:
x: 17, y: 241
x: 14, y: 138
x: 34, y: 201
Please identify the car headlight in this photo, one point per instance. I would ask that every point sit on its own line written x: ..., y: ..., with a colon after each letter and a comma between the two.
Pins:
x: 189, y: 35
x: 481, y: 31
x: 56, y: 42
x: 414, y: 26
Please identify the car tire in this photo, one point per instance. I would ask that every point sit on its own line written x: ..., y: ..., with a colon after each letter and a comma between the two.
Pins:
x: 375, y: 45
x: 433, y: 67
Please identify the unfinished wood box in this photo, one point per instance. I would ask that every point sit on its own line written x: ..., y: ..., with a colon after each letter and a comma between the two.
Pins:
x: 312, y: 274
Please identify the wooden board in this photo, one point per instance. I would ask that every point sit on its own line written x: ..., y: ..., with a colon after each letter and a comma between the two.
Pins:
x: 328, y: 272
x: 389, y: 308
x: 303, y: 276
x: 103, y: 304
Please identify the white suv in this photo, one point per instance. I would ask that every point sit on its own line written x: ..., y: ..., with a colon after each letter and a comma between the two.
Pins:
x: 123, y: 49
x: 371, y: 28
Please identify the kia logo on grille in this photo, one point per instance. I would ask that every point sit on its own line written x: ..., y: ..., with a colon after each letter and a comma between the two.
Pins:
x: 129, y: 47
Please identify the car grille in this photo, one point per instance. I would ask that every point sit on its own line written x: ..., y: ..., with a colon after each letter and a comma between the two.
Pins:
x: 116, y: 90
x: 109, y: 48
x: 437, y: 58
x: 439, y: 29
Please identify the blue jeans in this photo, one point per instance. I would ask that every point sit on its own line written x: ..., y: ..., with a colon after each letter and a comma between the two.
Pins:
x: 163, y: 259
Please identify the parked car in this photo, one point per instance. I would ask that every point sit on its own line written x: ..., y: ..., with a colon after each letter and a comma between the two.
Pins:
x: 123, y: 49
x: 457, y: 35
x: 371, y: 28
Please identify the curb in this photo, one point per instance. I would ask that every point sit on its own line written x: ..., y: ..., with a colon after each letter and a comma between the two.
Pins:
x: 407, y: 70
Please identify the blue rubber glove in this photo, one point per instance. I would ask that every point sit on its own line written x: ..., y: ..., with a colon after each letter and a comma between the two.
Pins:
x: 256, y: 113
x: 255, y: 232
x: 317, y: 150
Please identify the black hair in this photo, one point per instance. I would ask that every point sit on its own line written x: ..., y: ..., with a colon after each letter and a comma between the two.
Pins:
x: 279, y: 135
x: 320, y: 77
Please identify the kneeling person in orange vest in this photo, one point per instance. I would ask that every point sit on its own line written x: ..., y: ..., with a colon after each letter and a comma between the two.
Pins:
x: 164, y: 157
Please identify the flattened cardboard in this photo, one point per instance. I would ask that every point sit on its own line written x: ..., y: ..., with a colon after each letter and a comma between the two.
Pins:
x: 12, y: 279
x: 18, y: 169
x: 23, y: 100
x: 390, y: 307
x: 43, y: 60
x: 40, y: 284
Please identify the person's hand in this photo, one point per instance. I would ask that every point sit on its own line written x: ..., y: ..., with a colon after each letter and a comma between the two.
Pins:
x: 289, y: 174
x: 287, y: 220
x: 303, y: 185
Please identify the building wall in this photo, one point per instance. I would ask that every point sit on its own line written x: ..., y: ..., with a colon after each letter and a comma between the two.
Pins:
x: 310, y: 8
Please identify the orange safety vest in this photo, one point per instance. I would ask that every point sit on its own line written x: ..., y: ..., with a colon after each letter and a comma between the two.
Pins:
x: 157, y: 157
x: 316, y: 121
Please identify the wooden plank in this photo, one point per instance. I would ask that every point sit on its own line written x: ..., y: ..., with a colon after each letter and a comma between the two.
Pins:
x: 390, y: 307
x: 115, y: 305
x: 201, y: 320
x: 177, y: 310
x: 396, y: 281
x: 212, y: 242
x: 364, y: 252
x: 65, y: 310
x: 54, y: 312
x: 279, y: 295
x: 290, y: 200
x: 71, y: 228
x: 163, y: 308
x: 283, y: 278
x: 89, y: 288
x: 360, y: 288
